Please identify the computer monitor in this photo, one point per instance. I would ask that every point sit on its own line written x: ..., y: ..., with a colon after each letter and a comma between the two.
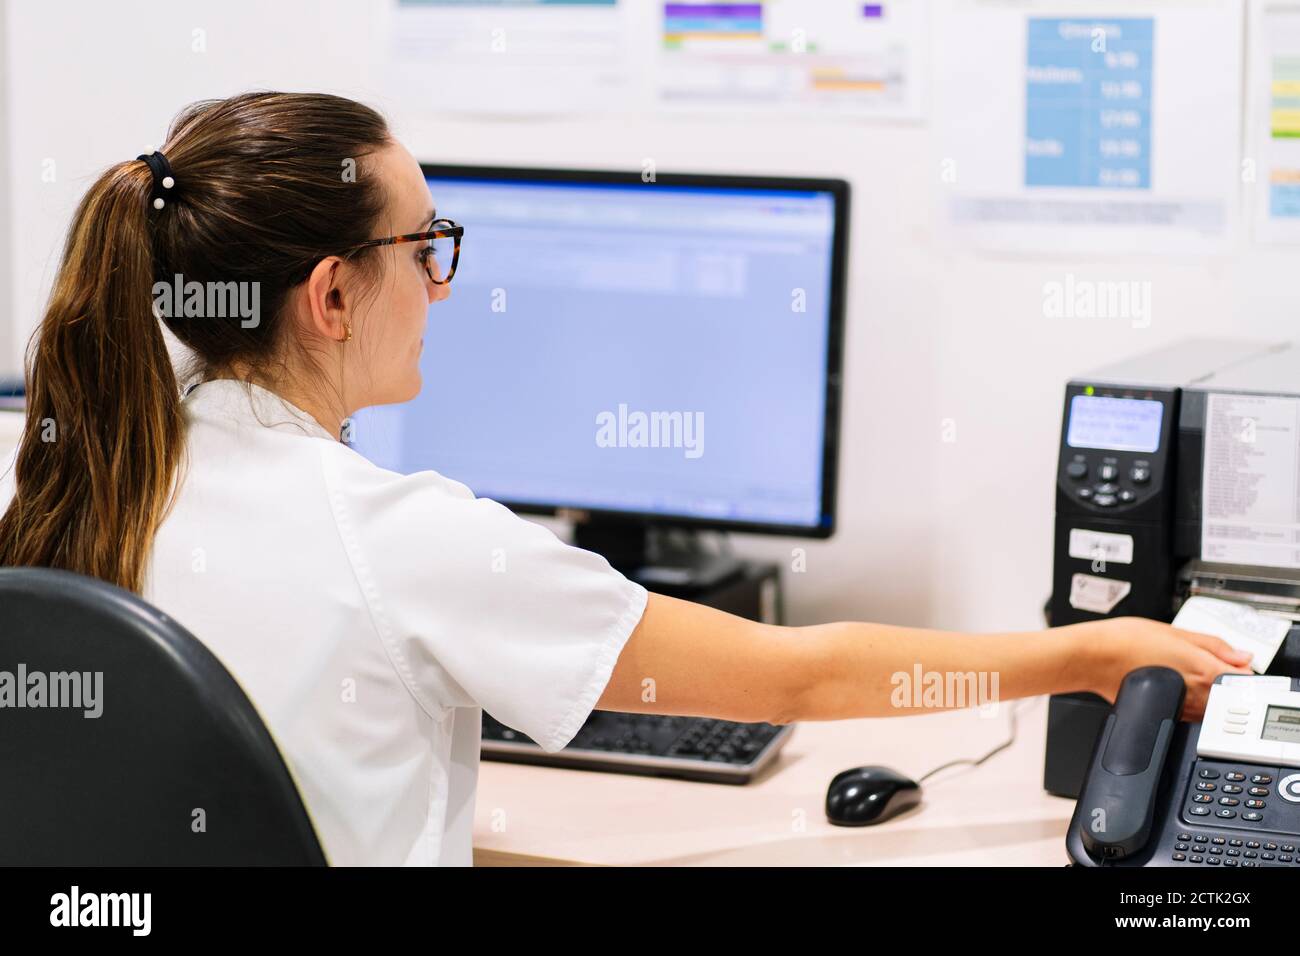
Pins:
x: 653, y: 350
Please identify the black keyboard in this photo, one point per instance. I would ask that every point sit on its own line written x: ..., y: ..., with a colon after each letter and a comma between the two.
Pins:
x: 692, y: 748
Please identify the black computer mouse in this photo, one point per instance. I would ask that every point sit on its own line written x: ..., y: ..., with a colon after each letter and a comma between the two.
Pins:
x: 867, y: 795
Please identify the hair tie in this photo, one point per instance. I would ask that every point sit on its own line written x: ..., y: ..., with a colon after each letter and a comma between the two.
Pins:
x: 163, y: 180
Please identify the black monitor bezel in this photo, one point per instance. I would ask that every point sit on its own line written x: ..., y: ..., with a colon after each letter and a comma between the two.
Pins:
x: 839, y: 190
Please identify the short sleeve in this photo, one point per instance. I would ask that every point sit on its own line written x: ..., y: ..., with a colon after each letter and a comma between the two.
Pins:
x: 477, y: 606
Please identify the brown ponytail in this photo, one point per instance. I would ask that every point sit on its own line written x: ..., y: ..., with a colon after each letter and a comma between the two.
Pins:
x: 259, y: 198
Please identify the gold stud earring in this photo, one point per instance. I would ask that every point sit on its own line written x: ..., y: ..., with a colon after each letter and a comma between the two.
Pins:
x: 347, y: 328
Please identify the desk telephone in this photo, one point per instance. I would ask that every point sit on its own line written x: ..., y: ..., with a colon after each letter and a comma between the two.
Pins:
x: 1225, y: 792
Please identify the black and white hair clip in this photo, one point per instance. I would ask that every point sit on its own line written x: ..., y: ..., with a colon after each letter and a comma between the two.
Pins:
x: 163, y: 180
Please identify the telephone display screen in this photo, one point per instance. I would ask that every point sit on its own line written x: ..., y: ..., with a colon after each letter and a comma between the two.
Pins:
x: 1114, y: 424
x: 1282, y: 723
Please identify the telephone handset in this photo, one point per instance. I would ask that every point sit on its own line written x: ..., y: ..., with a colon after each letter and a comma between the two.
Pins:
x: 1225, y: 792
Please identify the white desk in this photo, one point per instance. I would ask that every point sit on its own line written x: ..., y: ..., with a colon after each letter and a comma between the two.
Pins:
x: 996, y: 814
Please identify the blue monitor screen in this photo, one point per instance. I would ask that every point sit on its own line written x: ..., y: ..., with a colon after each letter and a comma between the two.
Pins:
x: 640, y: 347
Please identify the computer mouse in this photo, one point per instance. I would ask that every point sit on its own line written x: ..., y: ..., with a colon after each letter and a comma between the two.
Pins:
x: 865, y: 796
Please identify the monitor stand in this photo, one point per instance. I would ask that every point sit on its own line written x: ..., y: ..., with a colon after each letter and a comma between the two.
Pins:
x: 659, y: 558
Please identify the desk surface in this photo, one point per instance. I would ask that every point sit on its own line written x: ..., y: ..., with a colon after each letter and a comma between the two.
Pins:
x: 993, y: 815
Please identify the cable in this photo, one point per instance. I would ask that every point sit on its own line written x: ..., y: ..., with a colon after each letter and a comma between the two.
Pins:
x: 975, y: 762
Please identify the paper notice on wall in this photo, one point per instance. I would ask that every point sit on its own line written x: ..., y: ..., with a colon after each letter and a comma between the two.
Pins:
x: 795, y: 58
x: 1102, y: 127
x: 1250, y: 482
x: 499, y: 57
x: 1272, y: 165
x: 1245, y: 628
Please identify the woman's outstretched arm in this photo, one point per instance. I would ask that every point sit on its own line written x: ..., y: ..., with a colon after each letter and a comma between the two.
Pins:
x: 684, y: 658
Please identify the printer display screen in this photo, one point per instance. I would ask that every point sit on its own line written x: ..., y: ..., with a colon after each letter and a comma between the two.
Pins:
x: 1116, y: 424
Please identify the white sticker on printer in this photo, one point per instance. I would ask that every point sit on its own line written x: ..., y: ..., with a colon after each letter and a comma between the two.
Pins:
x: 1098, y: 595
x: 1101, y: 546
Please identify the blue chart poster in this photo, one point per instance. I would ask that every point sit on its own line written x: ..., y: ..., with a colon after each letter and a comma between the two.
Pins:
x: 1088, y: 103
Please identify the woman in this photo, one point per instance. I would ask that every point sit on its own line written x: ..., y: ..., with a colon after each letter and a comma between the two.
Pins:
x: 370, y: 615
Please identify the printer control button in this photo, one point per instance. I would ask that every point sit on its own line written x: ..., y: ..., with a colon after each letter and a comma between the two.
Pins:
x: 1077, y: 469
x: 1106, y: 488
x: 1140, y: 475
x: 1104, y: 501
x: 1107, y: 472
x: 1127, y: 497
x: 1085, y: 493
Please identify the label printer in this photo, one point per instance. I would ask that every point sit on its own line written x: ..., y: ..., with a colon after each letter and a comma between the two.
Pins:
x: 1178, y: 475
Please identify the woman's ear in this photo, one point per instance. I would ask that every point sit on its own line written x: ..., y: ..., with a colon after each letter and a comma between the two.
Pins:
x: 326, y: 303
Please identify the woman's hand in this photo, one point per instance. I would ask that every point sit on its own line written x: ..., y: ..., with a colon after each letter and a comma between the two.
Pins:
x: 1127, y: 643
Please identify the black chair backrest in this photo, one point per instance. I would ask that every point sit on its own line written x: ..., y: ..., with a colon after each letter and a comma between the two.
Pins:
x: 177, y: 769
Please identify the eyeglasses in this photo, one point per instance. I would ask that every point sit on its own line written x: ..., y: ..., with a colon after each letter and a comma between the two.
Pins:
x: 439, y: 256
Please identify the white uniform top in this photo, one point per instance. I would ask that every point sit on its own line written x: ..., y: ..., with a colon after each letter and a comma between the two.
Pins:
x: 370, y: 615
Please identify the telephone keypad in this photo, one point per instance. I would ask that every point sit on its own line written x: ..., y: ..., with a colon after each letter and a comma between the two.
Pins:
x: 1208, y: 798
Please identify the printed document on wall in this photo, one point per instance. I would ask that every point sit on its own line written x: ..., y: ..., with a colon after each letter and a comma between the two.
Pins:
x: 1089, y: 128
x: 813, y: 58
x: 1272, y: 166
x: 504, y: 57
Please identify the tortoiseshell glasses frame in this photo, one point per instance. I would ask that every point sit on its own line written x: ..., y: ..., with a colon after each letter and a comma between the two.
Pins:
x: 439, y: 229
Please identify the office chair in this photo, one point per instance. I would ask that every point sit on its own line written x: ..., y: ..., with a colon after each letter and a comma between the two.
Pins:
x: 178, y: 768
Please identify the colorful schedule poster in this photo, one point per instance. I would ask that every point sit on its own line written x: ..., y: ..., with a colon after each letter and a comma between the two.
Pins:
x: 1088, y: 102
x: 1271, y: 170
x: 1109, y: 128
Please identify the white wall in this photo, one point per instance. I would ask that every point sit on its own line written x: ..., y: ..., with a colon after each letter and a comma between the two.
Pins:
x: 7, y: 329
x: 947, y: 534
